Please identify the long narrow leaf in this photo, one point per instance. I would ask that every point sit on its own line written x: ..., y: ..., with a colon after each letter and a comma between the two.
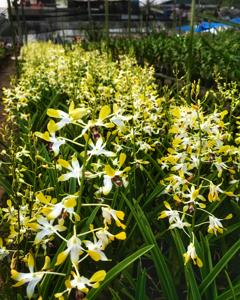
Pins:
x: 219, y: 267
x: 164, y: 274
x: 118, y: 269
x: 228, y: 294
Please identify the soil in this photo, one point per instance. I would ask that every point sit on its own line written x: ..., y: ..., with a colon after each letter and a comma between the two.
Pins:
x: 7, y: 71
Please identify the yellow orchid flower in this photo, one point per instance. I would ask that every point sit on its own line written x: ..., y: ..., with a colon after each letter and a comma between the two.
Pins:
x: 50, y: 136
x: 74, y: 115
x: 191, y: 254
x: 32, y: 278
x: 74, y: 248
x: 74, y: 168
x: 108, y: 214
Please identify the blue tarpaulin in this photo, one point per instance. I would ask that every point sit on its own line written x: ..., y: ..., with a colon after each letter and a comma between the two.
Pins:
x: 208, y: 26
x: 235, y: 20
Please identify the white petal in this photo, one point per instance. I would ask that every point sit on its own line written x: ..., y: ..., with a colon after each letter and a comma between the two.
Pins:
x: 31, y: 286
x: 107, y: 185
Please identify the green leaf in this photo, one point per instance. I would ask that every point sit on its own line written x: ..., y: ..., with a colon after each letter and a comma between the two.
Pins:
x: 219, y: 267
x: 118, y: 269
x: 230, y: 285
x: 228, y: 295
x: 211, y: 292
x: 141, y: 285
x: 164, y: 274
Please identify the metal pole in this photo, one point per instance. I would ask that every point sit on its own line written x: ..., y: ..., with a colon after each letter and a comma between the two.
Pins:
x: 129, y: 18
x: 106, y: 12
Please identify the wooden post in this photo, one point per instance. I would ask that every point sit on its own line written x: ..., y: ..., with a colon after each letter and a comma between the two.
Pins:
x: 24, y: 27
x: 13, y: 33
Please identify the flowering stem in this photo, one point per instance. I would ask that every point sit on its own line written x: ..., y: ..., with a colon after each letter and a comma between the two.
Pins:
x: 61, y: 237
x: 90, y: 231
x: 95, y: 204
x: 83, y: 176
x: 72, y: 141
x: 84, y: 257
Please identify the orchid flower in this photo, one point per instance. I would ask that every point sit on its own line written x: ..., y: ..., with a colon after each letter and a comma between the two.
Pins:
x: 98, y: 149
x: 74, y: 248
x: 74, y: 168
x: 32, y: 278
x: 74, y: 115
x: 50, y: 136
x: 191, y: 254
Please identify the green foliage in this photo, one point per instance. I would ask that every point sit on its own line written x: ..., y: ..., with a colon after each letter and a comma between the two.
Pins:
x: 212, y: 54
x: 97, y: 155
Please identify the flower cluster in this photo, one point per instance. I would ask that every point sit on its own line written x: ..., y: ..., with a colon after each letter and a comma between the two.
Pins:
x: 198, y: 148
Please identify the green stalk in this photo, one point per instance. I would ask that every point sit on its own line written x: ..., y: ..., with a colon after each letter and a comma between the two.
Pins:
x: 83, y: 176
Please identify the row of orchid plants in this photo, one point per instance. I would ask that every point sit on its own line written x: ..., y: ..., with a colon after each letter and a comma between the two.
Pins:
x: 88, y: 141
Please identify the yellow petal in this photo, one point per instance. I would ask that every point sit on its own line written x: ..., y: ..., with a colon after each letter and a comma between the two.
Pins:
x: 71, y: 107
x: 202, y: 205
x: 96, y: 285
x: 30, y: 261
x: 195, y: 193
x: 220, y: 230
x: 45, y: 136
x: 199, y: 262
x: 59, y: 296
x: 68, y: 284
x: 94, y: 255
x: 122, y: 159
x: 21, y: 282
x: 104, y: 112
x: 61, y: 257
x: 228, y: 217
x: 230, y: 194
x: 167, y: 205
x: 120, y: 214
x: 109, y: 171
x: 98, y: 276
x: 14, y: 274
x: 223, y: 113
x: 33, y: 226
x: 46, y: 263
x: 64, y: 163
x: 119, y: 224
x: 52, y: 127
x: 121, y: 236
x: 70, y: 202
x: 46, y: 211
x: 40, y: 197
x: 163, y: 215
x: 78, y: 113
x: 54, y: 113
x: 186, y: 258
